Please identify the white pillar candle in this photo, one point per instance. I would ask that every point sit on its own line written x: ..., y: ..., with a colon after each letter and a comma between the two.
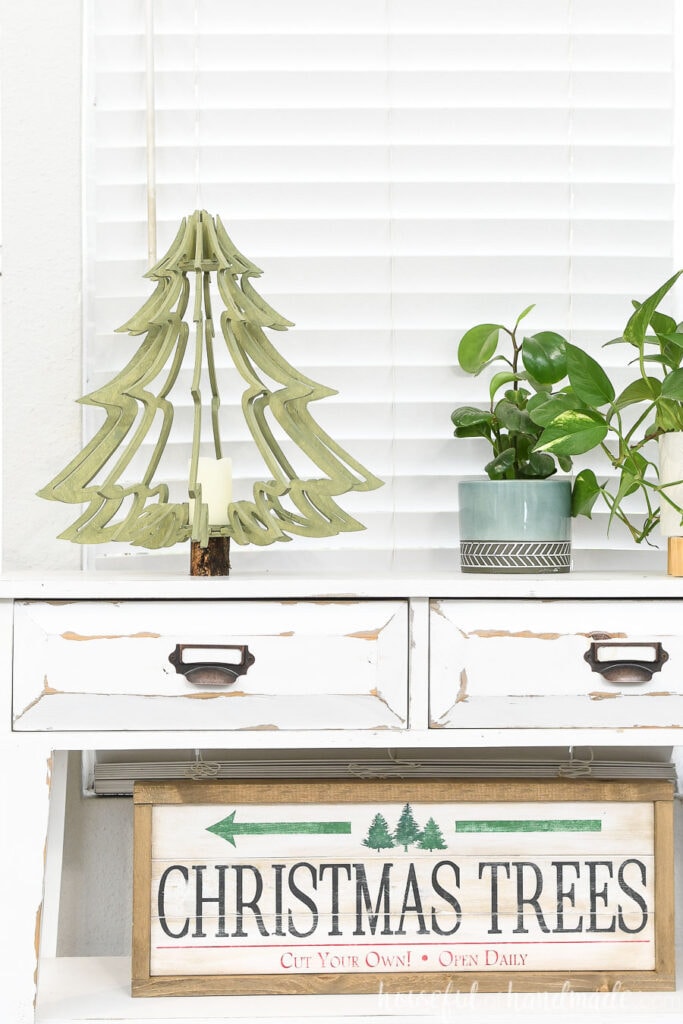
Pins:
x: 670, y: 470
x: 215, y: 477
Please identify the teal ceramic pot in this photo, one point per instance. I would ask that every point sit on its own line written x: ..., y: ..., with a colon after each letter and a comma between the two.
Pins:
x: 515, y: 525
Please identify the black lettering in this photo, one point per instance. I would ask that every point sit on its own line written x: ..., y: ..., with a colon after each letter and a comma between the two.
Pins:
x: 566, y: 894
x: 412, y: 890
x: 303, y: 898
x: 241, y: 904
x: 632, y: 894
x: 161, y: 901
x: 446, y: 895
x: 598, y: 894
x: 201, y: 899
x: 531, y: 901
x: 494, y: 865
x: 278, y: 869
x: 364, y: 901
x: 335, y: 869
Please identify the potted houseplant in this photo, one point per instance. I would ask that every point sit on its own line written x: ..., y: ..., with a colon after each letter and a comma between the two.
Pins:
x: 551, y: 402
x: 648, y: 411
x: 518, y: 520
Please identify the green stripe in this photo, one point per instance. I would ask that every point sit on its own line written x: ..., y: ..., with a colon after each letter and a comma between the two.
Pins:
x: 228, y: 828
x: 274, y: 828
x: 543, y: 825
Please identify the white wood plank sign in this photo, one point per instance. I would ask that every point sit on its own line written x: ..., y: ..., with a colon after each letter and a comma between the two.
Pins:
x: 300, y: 887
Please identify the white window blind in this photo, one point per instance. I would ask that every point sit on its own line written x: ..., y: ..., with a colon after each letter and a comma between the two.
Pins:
x: 400, y: 171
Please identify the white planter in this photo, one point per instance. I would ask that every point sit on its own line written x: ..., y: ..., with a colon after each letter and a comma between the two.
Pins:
x: 670, y: 470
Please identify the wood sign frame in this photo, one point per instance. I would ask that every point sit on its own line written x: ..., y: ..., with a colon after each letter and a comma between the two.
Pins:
x: 253, y: 887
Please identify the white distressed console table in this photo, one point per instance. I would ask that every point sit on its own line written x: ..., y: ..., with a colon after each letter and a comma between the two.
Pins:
x: 302, y: 663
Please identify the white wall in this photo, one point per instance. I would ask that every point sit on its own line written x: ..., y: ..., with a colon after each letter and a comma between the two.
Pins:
x: 41, y: 327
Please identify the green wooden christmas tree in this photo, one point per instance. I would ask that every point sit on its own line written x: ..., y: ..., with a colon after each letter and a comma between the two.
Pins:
x: 201, y: 263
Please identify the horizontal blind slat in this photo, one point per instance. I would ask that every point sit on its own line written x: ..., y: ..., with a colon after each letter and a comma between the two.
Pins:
x: 399, y: 172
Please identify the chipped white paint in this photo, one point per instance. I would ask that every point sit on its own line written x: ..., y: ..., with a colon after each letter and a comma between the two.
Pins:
x: 521, y: 664
x: 54, y: 848
x: 25, y: 769
x: 87, y: 665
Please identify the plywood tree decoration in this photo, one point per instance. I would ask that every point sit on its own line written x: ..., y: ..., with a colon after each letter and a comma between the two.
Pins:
x: 203, y: 261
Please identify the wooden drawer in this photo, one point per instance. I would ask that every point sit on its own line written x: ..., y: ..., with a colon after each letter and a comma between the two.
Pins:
x: 522, y: 664
x: 105, y: 665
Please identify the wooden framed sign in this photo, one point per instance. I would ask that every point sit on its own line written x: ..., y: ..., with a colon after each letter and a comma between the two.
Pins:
x: 351, y: 886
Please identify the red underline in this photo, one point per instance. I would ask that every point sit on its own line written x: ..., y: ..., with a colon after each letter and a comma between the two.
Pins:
x: 411, y: 945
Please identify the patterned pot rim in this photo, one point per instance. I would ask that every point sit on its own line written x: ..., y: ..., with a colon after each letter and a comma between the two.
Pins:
x: 540, y: 556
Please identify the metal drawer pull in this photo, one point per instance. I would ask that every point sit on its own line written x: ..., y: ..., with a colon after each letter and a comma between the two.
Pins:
x: 211, y: 673
x: 630, y: 662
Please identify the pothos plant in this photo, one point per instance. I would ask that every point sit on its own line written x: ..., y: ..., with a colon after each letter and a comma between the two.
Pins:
x: 553, y: 401
x: 648, y: 407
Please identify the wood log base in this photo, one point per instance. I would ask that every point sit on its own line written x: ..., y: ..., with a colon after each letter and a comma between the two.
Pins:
x: 213, y: 560
x: 674, y: 565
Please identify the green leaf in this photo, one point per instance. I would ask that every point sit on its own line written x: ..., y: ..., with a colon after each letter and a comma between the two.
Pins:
x: 585, y: 493
x: 517, y: 421
x: 468, y: 416
x: 632, y: 472
x: 668, y: 416
x: 500, y: 379
x: 489, y: 362
x: 672, y: 386
x: 471, y: 422
x: 536, y: 384
x: 662, y: 324
x: 525, y: 312
x: 645, y: 389
x: 518, y: 398
x: 634, y: 469
x: 544, y: 357
x: 544, y: 408
x: 464, y: 432
x: 587, y: 377
x: 499, y: 467
x: 477, y: 346
x: 573, y: 432
x: 672, y: 354
x: 524, y: 447
x: 629, y: 481
x: 523, y: 396
x: 565, y: 463
x: 636, y: 328
x: 538, y: 466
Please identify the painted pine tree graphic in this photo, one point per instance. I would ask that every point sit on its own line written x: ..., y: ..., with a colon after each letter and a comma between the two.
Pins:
x: 431, y: 837
x: 379, y: 837
x: 407, y: 830
x: 203, y: 268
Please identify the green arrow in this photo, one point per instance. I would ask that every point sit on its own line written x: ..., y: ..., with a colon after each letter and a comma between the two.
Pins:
x: 228, y: 828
